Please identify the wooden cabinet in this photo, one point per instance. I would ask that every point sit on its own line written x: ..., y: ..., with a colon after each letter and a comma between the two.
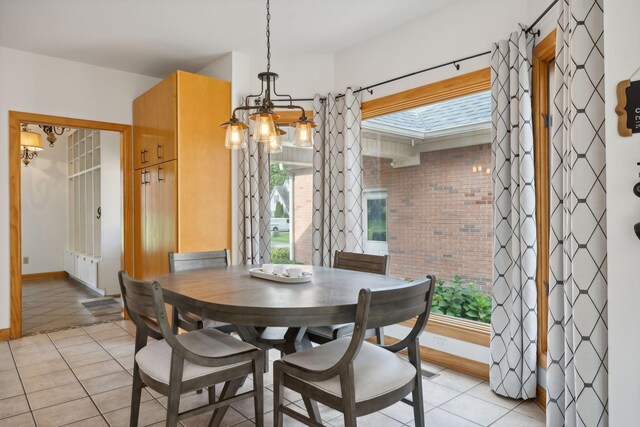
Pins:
x: 182, y: 181
x: 155, y: 122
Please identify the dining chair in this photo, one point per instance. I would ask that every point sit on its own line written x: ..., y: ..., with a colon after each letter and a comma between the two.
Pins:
x: 176, y: 364
x: 357, y: 377
x: 356, y: 262
x: 186, y: 261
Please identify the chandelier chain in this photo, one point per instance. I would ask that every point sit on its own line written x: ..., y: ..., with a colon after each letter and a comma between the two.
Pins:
x: 268, y: 39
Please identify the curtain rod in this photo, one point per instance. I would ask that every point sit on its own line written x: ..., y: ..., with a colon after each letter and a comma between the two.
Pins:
x: 455, y: 63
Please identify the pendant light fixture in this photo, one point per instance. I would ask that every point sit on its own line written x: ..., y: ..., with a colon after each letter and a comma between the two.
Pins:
x: 263, y: 118
x: 51, y: 132
x: 30, y: 144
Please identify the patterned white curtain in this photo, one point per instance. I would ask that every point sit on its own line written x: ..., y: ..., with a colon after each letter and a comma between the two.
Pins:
x: 254, y: 235
x: 337, y: 177
x: 514, y: 325
x: 577, y: 368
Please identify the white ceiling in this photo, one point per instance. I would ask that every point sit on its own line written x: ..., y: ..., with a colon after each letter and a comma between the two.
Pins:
x: 154, y: 37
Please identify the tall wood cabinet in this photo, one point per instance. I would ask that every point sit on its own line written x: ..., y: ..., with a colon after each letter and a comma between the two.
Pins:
x: 182, y: 179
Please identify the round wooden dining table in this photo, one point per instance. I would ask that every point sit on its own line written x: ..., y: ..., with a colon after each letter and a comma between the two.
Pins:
x: 231, y: 295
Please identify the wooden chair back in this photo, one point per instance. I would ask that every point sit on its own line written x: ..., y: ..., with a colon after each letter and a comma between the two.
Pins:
x: 361, y: 262
x: 137, y: 296
x: 186, y: 261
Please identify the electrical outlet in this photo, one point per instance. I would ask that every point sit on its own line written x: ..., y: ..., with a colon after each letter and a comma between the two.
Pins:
x: 25, y: 260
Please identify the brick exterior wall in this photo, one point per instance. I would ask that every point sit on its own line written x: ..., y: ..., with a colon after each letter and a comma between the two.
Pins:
x: 302, y: 210
x: 439, y: 214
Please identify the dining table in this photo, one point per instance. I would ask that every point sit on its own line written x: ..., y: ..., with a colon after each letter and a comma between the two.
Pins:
x: 233, y: 295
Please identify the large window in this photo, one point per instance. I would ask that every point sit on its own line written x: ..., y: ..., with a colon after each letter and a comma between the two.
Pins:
x: 428, y: 199
x: 291, y: 187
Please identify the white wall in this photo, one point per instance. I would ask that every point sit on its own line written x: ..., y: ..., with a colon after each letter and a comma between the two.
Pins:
x: 622, y: 58
x: 40, y: 84
x: 44, y: 207
x: 461, y: 29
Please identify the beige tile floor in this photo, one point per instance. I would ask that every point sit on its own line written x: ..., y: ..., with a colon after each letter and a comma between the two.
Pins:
x: 82, y: 377
x: 50, y: 304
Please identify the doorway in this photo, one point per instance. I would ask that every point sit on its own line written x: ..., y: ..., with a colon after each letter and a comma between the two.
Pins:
x: 124, y: 134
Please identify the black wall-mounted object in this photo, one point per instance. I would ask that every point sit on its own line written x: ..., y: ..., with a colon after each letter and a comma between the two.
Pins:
x: 636, y: 189
x: 636, y: 228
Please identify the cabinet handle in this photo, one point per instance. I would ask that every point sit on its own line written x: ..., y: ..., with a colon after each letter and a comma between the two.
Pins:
x: 160, y: 169
x: 148, y: 175
x: 143, y: 156
x: 158, y: 151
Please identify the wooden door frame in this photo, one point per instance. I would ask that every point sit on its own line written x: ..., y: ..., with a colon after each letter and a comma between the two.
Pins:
x: 15, y: 202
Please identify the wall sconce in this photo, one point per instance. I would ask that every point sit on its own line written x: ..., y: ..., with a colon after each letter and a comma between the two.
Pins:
x: 30, y: 144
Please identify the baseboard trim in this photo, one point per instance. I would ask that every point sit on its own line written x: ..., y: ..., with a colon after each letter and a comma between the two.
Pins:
x: 541, y: 397
x: 46, y: 275
x: 5, y: 334
x: 449, y: 361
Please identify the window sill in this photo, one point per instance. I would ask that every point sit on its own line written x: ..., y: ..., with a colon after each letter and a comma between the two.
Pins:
x: 460, y: 329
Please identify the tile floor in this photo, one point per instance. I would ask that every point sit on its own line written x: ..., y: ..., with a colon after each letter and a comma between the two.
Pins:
x: 50, y: 304
x: 82, y: 377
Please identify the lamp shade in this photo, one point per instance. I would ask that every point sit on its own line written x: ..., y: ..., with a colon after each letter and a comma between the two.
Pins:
x: 30, y: 140
x: 304, y: 133
x: 274, y: 145
x: 264, y: 129
x: 235, y: 138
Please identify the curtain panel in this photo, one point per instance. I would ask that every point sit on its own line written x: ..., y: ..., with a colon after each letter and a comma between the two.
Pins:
x: 254, y: 236
x: 337, y: 177
x: 514, y: 313
x: 577, y: 368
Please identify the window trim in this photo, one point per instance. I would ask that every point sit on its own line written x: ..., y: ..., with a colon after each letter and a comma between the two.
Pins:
x: 373, y: 195
x: 544, y: 53
x: 443, y: 90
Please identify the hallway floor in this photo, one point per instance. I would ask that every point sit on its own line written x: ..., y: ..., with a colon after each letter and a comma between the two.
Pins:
x: 52, y: 304
x: 82, y: 377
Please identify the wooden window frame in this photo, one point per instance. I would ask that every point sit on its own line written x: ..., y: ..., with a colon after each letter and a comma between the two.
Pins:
x: 465, y: 84
x: 544, y: 54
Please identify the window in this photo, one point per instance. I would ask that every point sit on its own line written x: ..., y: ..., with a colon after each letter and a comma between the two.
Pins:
x: 435, y: 213
x: 291, y: 187
x: 543, y: 72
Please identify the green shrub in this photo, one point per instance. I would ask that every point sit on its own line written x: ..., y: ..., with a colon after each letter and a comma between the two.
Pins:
x: 463, y: 300
x: 281, y: 256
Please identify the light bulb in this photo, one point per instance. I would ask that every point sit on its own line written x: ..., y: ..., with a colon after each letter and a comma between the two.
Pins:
x: 304, y: 134
x: 263, y: 129
x: 235, y: 136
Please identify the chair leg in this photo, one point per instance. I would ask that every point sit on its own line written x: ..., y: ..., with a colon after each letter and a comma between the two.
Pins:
x: 175, y: 388
x: 265, y: 359
x: 212, y: 394
x: 278, y: 394
x: 380, y: 336
x: 258, y: 398
x: 136, y: 396
x: 348, y: 396
x: 136, y: 389
x: 418, y: 405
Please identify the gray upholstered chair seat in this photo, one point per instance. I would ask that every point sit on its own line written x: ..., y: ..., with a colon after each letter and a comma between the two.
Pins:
x: 155, y: 359
x: 376, y: 371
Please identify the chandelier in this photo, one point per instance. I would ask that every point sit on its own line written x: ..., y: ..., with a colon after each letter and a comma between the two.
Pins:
x: 30, y: 144
x: 263, y: 118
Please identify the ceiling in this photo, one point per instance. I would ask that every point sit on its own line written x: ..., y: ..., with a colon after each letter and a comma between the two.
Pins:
x: 155, y: 37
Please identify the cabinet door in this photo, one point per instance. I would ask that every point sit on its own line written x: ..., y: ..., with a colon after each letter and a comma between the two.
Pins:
x: 164, y: 101
x: 143, y: 134
x: 161, y: 218
x: 139, y: 227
